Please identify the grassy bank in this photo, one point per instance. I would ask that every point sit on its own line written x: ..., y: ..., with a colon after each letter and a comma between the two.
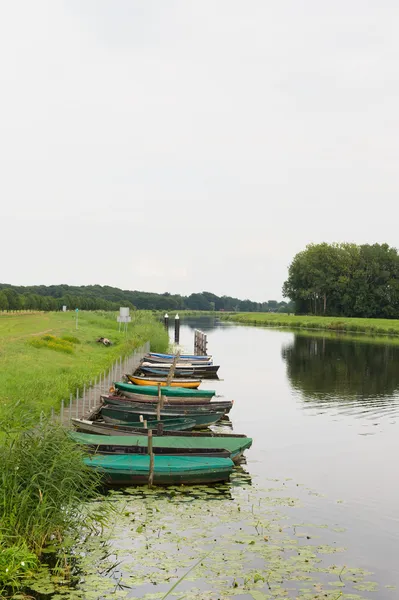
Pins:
x: 44, y: 358
x: 43, y: 485
x: 340, y: 324
x: 44, y: 482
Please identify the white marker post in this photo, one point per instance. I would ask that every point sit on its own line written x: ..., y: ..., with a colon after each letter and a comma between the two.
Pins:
x: 77, y: 314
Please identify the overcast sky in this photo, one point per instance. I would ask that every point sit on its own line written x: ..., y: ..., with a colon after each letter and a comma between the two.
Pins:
x: 193, y: 145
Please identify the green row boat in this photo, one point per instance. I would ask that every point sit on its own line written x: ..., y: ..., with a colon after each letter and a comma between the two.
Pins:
x: 133, y: 469
x: 152, y: 390
x: 236, y: 446
x: 131, y: 415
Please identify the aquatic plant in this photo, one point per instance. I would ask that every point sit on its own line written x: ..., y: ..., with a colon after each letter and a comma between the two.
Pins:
x: 43, y: 485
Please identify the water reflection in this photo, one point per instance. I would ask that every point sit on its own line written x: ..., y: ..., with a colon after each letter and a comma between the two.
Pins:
x: 326, y: 370
x: 205, y: 323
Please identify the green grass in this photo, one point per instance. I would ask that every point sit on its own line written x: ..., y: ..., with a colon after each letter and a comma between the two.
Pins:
x: 43, y: 358
x: 44, y: 482
x: 368, y: 326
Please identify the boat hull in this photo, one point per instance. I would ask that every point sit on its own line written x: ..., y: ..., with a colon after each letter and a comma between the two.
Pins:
x: 125, y: 470
x: 121, y: 401
x: 183, y: 445
x: 101, y: 428
x: 184, y: 383
x: 135, y: 428
x: 190, y: 357
x: 192, y: 371
x: 202, y: 419
x: 154, y: 360
x: 169, y: 392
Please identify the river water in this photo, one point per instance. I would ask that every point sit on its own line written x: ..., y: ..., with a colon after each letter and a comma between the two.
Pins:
x: 323, y: 413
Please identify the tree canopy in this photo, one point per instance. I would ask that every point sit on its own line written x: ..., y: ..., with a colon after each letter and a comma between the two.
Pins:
x: 93, y: 297
x: 345, y: 280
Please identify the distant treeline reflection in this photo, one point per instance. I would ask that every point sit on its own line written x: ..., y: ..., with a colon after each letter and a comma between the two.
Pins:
x: 322, y: 366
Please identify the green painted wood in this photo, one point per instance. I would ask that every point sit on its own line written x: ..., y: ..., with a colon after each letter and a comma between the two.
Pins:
x: 152, y: 390
x: 168, y: 470
x: 235, y: 446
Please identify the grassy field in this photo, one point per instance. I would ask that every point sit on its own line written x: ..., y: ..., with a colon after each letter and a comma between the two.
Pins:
x: 368, y: 326
x: 43, y: 358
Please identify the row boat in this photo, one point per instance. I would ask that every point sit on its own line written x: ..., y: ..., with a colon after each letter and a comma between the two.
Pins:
x: 125, y: 469
x: 207, y: 371
x: 168, y: 391
x: 182, y: 408
x: 191, y: 357
x: 168, y: 400
x: 133, y: 415
x: 235, y: 447
x: 102, y: 428
x: 154, y: 360
x: 162, y: 381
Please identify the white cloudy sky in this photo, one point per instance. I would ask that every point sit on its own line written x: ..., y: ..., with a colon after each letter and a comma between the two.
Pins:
x: 189, y: 145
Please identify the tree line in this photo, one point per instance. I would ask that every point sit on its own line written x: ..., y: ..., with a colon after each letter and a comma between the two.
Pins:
x: 346, y: 280
x: 97, y: 297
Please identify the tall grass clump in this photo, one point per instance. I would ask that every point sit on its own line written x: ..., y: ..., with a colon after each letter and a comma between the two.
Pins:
x: 53, y: 342
x: 44, y: 484
x: 146, y: 327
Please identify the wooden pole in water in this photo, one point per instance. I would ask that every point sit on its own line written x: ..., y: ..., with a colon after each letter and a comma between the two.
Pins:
x: 172, y: 369
x: 151, y: 453
x: 159, y: 403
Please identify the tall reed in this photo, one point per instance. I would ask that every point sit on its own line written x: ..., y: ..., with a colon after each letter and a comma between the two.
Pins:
x: 43, y: 483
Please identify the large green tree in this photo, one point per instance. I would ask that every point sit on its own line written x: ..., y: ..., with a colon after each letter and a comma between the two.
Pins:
x: 345, y: 280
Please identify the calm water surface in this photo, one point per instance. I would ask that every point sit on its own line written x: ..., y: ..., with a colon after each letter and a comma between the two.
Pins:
x: 323, y: 413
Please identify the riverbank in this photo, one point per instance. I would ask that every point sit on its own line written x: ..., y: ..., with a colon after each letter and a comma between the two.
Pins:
x: 44, y: 357
x: 340, y: 324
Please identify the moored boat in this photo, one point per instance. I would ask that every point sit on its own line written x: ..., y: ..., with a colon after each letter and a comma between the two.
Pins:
x: 192, y: 357
x: 186, y: 362
x: 182, y: 407
x: 234, y: 446
x: 208, y: 371
x: 168, y: 391
x: 162, y: 381
x: 134, y: 469
x: 202, y: 418
x: 138, y: 427
x: 121, y: 428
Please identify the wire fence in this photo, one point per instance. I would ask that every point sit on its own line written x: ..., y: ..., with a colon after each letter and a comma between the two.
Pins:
x: 85, y: 400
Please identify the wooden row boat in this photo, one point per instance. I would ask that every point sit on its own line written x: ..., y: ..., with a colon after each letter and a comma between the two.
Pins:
x: 137, y: 428
x: 133, y: 469
x: 101, y: 428
x: 168, y: 400
x: 187, y: 445
x: 185, y: 383
x: 168, y: 391
x: 214, y: 405
x: 154, y: 360
x: 136, y: 414
x: 182, y: 357
x: 205, y: 372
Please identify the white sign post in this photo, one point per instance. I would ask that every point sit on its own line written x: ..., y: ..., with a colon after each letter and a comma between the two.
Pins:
x: 124, y: 318
x: 77, y: 315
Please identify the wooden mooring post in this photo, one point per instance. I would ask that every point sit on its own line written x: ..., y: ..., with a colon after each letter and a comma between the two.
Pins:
x: 151, y: 453
x: 200, y: 342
